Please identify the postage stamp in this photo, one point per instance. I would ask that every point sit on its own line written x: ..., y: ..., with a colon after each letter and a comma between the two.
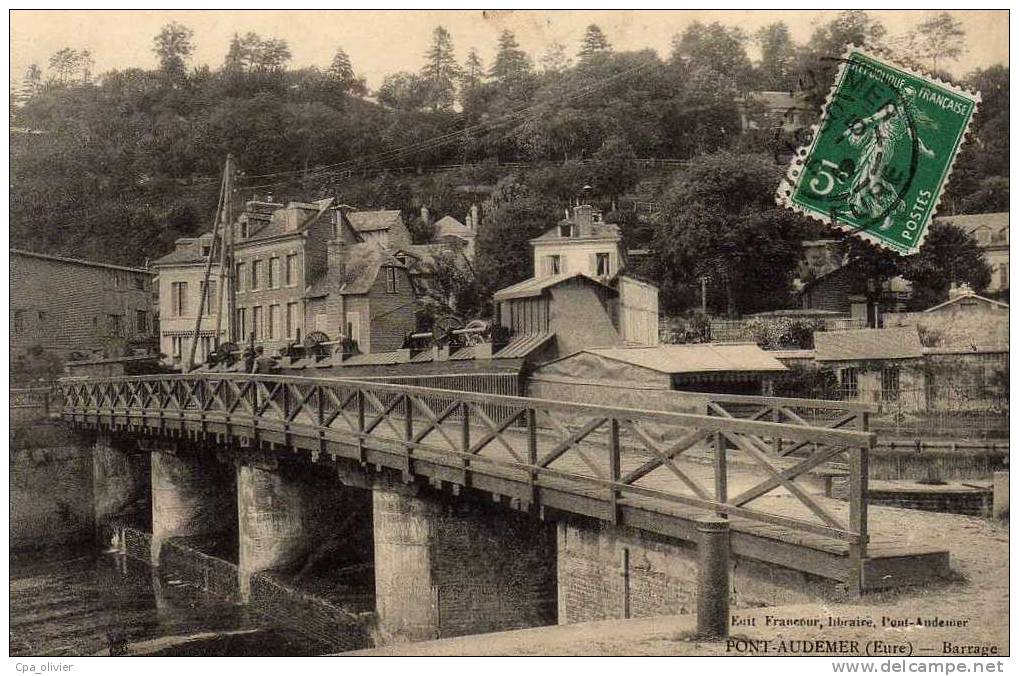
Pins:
x: 882, y: 152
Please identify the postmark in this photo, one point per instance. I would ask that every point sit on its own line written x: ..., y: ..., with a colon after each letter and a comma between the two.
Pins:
x: 882, y: 153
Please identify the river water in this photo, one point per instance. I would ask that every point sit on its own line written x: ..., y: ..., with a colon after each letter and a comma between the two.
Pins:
x: 86, y: 602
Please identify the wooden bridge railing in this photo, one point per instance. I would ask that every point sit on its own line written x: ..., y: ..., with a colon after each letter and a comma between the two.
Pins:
x: 612, y: 458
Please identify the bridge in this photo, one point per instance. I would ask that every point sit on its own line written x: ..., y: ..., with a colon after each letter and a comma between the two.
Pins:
x: 627, y: 492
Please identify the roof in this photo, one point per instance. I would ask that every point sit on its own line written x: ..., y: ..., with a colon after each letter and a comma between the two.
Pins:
x: 371, y: 221
x: 783, y: 100
x: 360, y: 270
x: 447, y: 226
x: 536, y: 285
x: 78, y: 261
x: 523, y: 345
x: 275, y: 225
x: 967, y: 296
x: 861, y: 344
x: 599, y: 230
x: 180, y: 257
x: 693, y: 358
x: 970, y: 222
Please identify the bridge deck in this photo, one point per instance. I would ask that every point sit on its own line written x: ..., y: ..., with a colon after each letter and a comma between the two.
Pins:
x: 618, y: 465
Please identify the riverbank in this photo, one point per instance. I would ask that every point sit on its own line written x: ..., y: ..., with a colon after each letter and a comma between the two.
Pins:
x: 976, y: 598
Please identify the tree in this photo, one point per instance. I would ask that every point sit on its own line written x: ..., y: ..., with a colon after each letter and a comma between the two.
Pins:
x: 594, y: 43
x: 819, y: 58
x: 341, y: 71
x: 473, y: 70
x: 503, y: 245
x: 511, y: 63
x: 716, y: 48
x: 949, y: 255
x: 441, y: 71
x: 405, y: 91
x: 938, y: 39
x: 719, y: 220
x: 173, y: 46
x: 555, y: 61
x: 32, y: 82
x: 778, y: 58
x: 85, y: 65
x: 64, y: 64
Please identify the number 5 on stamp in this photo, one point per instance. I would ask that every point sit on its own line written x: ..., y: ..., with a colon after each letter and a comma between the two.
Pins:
x: 882, y: 152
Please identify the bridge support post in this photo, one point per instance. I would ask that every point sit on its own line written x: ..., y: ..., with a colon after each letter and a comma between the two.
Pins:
x: 713, y: 578
x: 189, y: 497
x: 293, y: 515
x: 450, y: 568
x: 119, y: 478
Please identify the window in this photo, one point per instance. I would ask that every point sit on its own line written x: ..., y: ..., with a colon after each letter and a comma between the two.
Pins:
x: 274, y: 322
x: 116, y: 279
x: 566, y: 230
x: 139, y: 283
x: 141, y: 321
x: 274, y: 273
x: 256, y: 322
x: 552, y: 265
x: 890, y: 383
x: 391, y: 280
x: 206, y: 249
x: 177, y: 347
x: 601, y: 264
x: 354, y: 327
x: 179, y: 299
x: 850, y: 384
x: 291, y: 320
x: 210, y: 297
x: 17, y: 321
x: 256, y: 274
x: 291, y: 270
x: 242, y: 323
x: 115, y: 323
x: 240, y: 279
x: 1003, y: 275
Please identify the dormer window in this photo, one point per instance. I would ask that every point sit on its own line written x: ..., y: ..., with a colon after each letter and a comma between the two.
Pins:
x: 553, y: 265
x: 206, y: 249
x: 566, y: 229
x: 602, y: 268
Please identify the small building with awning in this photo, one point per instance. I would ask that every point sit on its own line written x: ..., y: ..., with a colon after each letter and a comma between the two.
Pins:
x: 640, y: 376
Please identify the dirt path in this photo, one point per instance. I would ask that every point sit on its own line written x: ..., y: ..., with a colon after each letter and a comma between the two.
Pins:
x: 977, y: 598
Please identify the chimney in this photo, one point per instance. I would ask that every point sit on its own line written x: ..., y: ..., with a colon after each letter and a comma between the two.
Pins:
x: 474, y: 217
x: 959, y: 290
x: 468, y: 222
x: 583, y: 218
x: 425, y: 216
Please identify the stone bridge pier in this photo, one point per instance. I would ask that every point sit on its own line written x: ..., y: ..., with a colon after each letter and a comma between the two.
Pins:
x: 449, y: 567
x: 192, y: 495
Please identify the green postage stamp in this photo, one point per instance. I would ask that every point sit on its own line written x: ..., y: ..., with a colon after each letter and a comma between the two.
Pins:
x: 882, y: 152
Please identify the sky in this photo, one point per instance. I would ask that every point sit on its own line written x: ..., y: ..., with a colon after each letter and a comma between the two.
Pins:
x: 381, y: 42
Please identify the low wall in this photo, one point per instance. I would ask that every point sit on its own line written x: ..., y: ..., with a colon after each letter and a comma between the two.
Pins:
x: 951, y: 462
x: 309, y: 614
x: 50, y: 487
x: 972, y: 502
x: 612, y: 572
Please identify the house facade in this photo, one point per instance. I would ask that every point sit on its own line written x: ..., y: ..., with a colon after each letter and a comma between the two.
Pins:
x: 281, y: 254
x: 965, y: 320
x: 67, y: 306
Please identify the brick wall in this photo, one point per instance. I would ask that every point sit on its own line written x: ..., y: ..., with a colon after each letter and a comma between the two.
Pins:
x: 601, y: 568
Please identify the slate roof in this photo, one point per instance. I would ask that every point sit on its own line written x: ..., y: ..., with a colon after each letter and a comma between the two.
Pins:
x: 372, y: 221
x: 179, y: 257
x: 360, y: 270
x: 536, y: 285
x: 598, y: 231
x: 276, y: 226
x: 864, y: 344
x: 76, y: 261
x: 693, y: 358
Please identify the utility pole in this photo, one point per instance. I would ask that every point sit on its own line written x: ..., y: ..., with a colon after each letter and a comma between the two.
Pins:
x: 704, y: 295
x: 226, y: 264
x: 203, y: 289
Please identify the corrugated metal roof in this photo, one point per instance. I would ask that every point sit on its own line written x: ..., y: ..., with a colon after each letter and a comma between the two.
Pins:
x: 535, y: 285
x: 523, y: 345
x: 861, y: 344
x: 463, y: 353
x: 422, y: 357
x: 377, y: 358
x: 77, y: 261
x: 694, y: 358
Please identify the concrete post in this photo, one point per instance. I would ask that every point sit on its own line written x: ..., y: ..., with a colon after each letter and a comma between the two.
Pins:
x: 999, y: 509
x: 271, y: 523
x: 189, y: 497
x: 713, y: 578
